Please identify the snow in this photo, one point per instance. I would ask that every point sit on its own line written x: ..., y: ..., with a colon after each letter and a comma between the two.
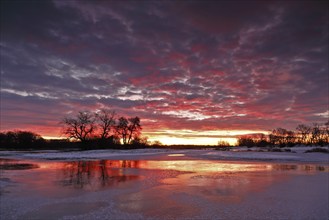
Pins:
x: 296, y: 155
x: 81, y: 155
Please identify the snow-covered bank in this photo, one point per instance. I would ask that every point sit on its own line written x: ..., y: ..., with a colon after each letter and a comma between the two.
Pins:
x: 81, y: 155
x: 297, y: 154
x: 269, y: 156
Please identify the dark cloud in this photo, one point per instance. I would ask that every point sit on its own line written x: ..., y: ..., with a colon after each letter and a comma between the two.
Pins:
x: 197, y: 65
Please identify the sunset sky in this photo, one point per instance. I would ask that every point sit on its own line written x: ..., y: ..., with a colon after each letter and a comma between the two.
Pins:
x: 193, y: 71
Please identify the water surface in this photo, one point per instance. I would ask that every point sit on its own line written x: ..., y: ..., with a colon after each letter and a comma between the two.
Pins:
x: 139, y: 189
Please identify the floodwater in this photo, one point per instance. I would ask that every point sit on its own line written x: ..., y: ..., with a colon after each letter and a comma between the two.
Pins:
x: 162, y: 189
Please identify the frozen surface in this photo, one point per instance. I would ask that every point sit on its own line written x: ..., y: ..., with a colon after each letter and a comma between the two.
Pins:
x: 163, y: 184
x: 89, y: 154
x: 297, y: 154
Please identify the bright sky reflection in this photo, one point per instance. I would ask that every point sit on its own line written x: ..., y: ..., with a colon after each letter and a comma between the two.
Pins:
x: 205, y: 166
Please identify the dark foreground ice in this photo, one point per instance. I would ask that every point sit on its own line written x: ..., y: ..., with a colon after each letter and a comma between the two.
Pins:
x: 161, y: 186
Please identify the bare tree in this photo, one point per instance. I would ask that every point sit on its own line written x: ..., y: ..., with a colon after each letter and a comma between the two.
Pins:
x: 122, y: 129
x: 134, y: 128
x: 326, y: 132
x: 316, y: 133
x: 282, y: 137
x: 81, y: 127
x: 106, y: 121
x: 303, y: 132
x: 277, y: 137
x: 246, y: 141
x: 290, y: 138
x: 319, y: 134
x: 128, y: 129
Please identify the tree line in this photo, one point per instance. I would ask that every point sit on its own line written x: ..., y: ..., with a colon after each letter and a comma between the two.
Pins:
x: 103, y: 127
x: 315, y: 134
x: 21, y: 139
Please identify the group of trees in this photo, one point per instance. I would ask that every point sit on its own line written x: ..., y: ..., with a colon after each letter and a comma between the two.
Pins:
x: 21, y: 139
x: 315, y: 134
x: 87, y: 129
x: 104, y: 127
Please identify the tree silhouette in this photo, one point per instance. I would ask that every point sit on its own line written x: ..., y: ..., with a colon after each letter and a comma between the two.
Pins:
x: 81, y: 127
x: 316, y: 133
x: 134, y: 128
x: 128, y: 129
x: 22, y: 139
x: 303, y: 132
x: 326, y: 132
x: 106, y: 121
x: 282, y: 137
x: 122, y: 129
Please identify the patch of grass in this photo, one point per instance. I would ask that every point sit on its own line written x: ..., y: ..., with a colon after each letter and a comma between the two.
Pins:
x: 318, y: 150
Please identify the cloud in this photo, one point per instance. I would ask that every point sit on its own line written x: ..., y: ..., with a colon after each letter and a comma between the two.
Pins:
x: 178, y: 65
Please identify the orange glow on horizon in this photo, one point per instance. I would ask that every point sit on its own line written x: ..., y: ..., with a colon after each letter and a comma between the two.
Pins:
x: 192, y: 141
x: 183, y: 137
x: 191, y: 137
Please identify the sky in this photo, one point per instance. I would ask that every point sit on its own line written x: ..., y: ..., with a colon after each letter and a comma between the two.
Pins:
x: 195, y: 72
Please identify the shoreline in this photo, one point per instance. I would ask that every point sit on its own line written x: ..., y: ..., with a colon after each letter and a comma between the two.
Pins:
x: 297, y: 155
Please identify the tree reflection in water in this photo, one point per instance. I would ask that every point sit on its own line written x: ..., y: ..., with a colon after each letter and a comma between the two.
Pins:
x: 97, y: 174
